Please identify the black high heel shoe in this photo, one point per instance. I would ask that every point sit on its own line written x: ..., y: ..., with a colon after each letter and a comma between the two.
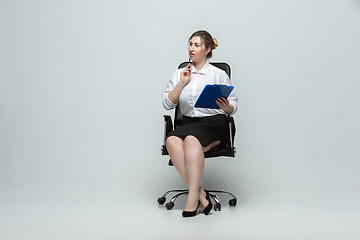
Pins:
x: 190, y: 213
x: 208, y: 208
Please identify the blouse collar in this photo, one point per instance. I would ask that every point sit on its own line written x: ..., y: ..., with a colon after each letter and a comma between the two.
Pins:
x: 204, y: 70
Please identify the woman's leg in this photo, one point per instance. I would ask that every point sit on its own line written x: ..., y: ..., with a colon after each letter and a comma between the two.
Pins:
x: 194, y: 163
x: 175, y: 147
x: 195, y: 157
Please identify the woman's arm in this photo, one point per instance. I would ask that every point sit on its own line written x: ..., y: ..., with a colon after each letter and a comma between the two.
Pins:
x: 184, y: 79
x: 229, y: 105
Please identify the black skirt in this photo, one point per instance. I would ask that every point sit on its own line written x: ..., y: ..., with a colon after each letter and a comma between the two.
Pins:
x: 206, y: 129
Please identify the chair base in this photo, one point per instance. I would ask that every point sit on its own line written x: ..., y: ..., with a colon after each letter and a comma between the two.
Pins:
x: 217, y: 206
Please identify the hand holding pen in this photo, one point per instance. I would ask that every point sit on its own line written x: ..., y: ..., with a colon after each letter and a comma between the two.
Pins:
x: 186, y: 75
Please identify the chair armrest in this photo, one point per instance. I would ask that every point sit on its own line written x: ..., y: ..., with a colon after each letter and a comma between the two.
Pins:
x: 232, y: 130
x: 168, y: 127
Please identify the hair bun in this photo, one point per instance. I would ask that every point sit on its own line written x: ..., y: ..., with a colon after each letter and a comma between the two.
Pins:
x: 216, y: 44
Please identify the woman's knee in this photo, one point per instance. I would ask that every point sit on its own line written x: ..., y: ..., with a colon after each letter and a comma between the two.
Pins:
x: 192, y: 142
x: 193, y: 149
x: 173, y: 142
x: 190, y: 138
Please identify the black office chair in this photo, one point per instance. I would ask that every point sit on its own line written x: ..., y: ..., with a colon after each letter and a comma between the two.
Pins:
x: 228, y: 150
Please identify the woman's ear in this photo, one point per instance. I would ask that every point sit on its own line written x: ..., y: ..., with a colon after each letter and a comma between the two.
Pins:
x: 208, y: 50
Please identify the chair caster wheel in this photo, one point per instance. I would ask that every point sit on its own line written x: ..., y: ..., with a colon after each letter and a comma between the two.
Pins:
x: 217, y: 207
x: 232, y: 202
x: 169, y: 205
x: 161, y: 200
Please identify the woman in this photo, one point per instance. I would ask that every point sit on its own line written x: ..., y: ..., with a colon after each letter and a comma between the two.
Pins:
x: 202, y: 128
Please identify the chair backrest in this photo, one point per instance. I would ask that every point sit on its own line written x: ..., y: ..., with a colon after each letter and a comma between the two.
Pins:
x: 221, y: 65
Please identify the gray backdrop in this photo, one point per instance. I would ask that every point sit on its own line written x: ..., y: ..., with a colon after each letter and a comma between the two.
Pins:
x: 81, y: 113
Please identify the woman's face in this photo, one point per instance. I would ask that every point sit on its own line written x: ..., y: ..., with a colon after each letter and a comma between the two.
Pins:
x: 197, y: 50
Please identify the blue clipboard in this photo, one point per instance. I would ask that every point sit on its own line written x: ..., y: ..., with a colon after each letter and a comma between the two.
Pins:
x: 210, y: 93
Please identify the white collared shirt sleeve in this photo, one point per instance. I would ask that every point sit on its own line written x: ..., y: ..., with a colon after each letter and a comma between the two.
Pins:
x: 167, y: 104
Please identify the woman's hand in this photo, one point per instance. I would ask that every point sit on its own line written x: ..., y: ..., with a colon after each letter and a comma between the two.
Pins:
x: 184, y: 79
x: 224, y: 104
x: 185, y: 75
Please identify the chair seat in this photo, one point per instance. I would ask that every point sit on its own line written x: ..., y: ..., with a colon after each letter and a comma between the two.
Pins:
x: 225, y: 151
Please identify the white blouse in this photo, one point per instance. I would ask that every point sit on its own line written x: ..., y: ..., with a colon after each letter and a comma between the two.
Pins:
x: 209, y: 74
